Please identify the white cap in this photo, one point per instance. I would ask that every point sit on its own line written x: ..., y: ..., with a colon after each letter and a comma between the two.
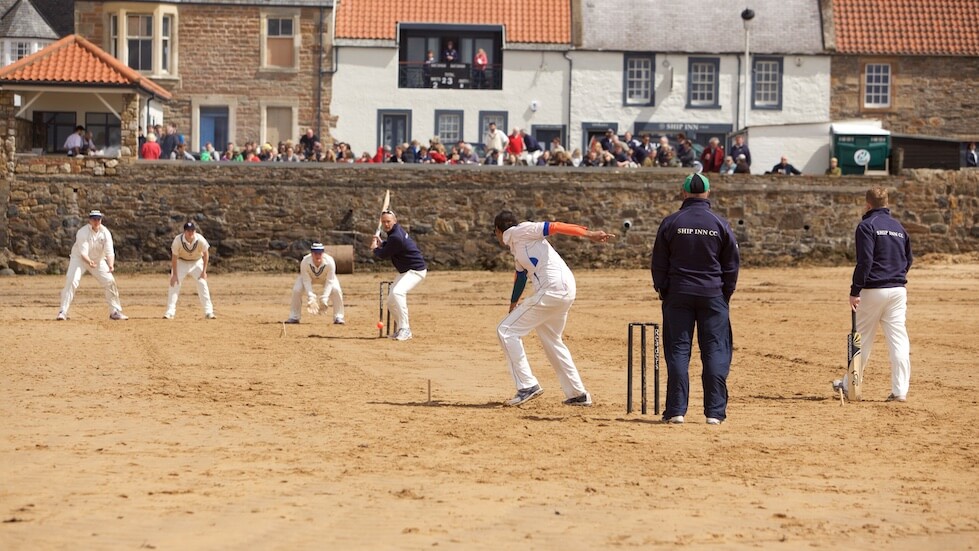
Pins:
x: 95, y: 213
x: 317, y: 247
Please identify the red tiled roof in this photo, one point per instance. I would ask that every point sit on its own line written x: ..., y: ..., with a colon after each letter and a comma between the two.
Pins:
x: 907, y: 27
x: 529, y: 21
x: 74, y: 60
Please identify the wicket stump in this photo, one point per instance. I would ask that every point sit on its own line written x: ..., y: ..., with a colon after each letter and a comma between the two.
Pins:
x: 383, y: 290
x: 642, y: 365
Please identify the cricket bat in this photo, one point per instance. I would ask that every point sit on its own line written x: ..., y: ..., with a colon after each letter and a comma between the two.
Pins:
x: 855, y: 365
x: 386, y: 206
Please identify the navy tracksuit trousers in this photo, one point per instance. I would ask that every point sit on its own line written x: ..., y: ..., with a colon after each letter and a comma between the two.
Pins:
x: 712, y: 319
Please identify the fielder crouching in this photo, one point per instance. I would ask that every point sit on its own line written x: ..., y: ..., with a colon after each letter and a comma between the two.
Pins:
x: 189, y: 257
x: 317, y: 268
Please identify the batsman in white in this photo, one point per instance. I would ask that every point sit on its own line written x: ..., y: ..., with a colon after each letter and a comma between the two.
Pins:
x: 317, y: 268
x: 189, y: 257
x: 92, y: 252
x: 546, y: 311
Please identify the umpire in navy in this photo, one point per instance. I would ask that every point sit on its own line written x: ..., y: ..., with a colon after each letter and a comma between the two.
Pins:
x: 695, y: 270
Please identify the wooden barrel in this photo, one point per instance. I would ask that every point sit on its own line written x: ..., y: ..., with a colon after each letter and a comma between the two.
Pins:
x: 344, y: 257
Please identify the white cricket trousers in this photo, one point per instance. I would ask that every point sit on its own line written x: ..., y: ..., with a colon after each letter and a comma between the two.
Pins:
x: 888, y: 309
x: 547, y: 314
x: 398, y: 297
x: 331, y: 292
x: 190, y: 268
x: 101, y: 273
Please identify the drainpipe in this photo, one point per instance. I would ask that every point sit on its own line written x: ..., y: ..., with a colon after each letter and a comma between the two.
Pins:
x: 737, y: 104
x: 319, y: 74
x: 570, y: 96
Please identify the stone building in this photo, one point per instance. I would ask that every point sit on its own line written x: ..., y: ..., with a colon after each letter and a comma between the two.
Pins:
x: 23, y: 30
x: 73, y: 83
x: 913, y: 65
x: 238, y: 70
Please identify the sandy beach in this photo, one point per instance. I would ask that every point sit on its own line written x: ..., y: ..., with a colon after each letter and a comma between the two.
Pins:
x: 243, y: 433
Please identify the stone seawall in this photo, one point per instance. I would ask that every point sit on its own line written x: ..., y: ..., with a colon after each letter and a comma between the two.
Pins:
x: 256, y: 215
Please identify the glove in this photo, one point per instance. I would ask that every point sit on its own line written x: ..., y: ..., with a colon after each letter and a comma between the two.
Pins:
x: 325, y: 299
x: 312, y: 306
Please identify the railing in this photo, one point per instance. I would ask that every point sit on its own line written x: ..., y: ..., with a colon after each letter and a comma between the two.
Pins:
x: 459, y: 76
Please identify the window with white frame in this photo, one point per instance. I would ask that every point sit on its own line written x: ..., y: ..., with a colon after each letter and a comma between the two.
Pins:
x: 638, y: 80
x: 139, y: 41
x: 877, y: 85
x: 448, y: 126
x: 702, y: 85
x: 144, y: 37
x: 22, y: 50
x: 280, y: 39
x: 14, y: 50
x: 767, y: 80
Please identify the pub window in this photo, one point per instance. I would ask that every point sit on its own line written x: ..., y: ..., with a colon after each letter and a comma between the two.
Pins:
x: 280, y: 44
x: 767, y: 82
x: 702, y: 84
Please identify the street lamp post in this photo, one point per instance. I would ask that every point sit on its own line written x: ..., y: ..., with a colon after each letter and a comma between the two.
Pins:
x: 746, y: 16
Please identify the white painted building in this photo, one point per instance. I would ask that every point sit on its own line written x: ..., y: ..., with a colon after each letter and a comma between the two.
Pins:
x: 384, y: 92
x: 649, y: 67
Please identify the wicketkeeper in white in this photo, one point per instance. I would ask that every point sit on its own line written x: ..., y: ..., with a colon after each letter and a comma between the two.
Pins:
x: 317, y: 268
x: 92, y: 252
x: 546, y: 311
x: 189, y: 257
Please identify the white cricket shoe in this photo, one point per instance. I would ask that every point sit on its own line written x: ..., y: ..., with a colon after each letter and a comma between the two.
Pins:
x: 525, y: 395
x: 168, y: 316
x: 402, y: 334
x: 675, y: 420
x: 210, y: 316
x: 714, y: 421
x: 338, y: 320
x: 117, y: 315
x: 61, y: 316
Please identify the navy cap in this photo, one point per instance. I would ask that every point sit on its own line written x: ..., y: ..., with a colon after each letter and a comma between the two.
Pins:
x: 317, y: 248
x: 190, y: 226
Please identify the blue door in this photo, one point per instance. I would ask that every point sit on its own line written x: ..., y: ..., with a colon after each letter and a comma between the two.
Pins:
x: 214, y: 127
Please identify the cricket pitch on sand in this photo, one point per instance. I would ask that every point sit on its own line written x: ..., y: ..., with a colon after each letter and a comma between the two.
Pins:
x: 229, y: 434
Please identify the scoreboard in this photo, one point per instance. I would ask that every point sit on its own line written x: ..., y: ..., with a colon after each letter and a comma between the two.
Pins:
x: 449, y: 75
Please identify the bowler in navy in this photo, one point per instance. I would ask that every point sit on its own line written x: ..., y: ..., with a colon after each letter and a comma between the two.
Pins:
x: 695, y: 271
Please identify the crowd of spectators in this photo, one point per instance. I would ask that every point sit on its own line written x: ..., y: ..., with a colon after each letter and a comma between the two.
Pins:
x: 497, y: 148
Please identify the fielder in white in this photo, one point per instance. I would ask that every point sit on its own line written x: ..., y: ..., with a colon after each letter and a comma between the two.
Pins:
x: 92, y: 252
x: 546, y: 311
x: 189, y: 257
x: 317, y: 268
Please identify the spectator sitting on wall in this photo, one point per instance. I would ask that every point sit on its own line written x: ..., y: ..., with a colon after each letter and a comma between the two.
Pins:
x: 180, y: 153
x: 365, y: 158
x: 229, y: 152
x: 469, y: 156
x: 515, y: 146
x: 741, y: 165
x: 622, y: 159
x: 785, y: 168
x: 608, y: 139
x: 684, y: 150
x: 834, y: 168
x: 150, y: 149
x: 576, y: 158
x: 206, y: 152
x: 728, y: 166
x: 76, y: 142
x: 307, y: 141
x: 664, y: 152
x: 532, y: 147
x: 740, y: 148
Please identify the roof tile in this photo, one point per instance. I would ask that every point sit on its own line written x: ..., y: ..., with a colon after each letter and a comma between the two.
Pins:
x: 74, y: 60
x: 541, y: 21
x: 907, y: 27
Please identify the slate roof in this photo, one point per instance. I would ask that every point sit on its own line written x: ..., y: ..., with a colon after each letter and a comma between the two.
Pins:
x: 62, y: 20
x: 276, y: 3
x: 907, y: 27
x: 23, y: 20
x: 76, y: 61
x: 525, y: 21
x: 701, y: 26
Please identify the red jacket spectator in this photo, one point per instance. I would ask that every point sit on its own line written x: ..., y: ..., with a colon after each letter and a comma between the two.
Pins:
x: 713, y: 156
x: 515, y: 146
x: 150, y: 149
